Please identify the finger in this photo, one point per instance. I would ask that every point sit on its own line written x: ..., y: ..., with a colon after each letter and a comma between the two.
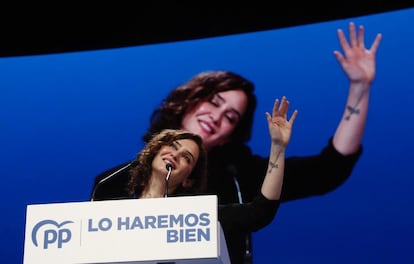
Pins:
x: 268, y: 117
x: 342, y: 40
x: 376, y: 43
x: 284, y: 106
x: 361, y: 36
x: 339, y: 56
x: 275, y: 107
x: 293, y: 117
x: 352, y: 34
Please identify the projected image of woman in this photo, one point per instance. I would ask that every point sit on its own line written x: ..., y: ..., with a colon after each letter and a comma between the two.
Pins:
x: 219, y: 107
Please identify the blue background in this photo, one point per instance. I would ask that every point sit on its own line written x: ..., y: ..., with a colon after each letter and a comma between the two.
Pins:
x: 67, y: 117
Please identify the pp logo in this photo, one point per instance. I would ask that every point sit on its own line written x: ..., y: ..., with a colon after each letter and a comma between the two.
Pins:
x: 51, y: 233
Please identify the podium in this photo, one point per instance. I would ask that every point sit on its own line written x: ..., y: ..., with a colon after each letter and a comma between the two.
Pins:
x: 173, y: 230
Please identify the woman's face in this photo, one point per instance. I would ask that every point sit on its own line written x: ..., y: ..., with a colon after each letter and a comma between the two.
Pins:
x: 215, y: 120
x: 182, y: 155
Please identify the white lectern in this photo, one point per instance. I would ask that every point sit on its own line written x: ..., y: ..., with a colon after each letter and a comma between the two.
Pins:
x: 159, y: 230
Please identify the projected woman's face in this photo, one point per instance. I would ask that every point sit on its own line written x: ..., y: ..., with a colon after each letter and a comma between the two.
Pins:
x: 215, y: 120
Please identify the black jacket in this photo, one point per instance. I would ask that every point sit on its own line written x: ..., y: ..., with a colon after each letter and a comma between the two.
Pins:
x: 233, y: 166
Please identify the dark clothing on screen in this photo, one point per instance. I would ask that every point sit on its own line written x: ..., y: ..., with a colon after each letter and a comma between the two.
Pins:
x: 304, y: 177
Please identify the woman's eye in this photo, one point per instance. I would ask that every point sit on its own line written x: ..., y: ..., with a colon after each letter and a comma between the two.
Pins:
x: 187, y: 159
x: 214, y: 103
x: 231, y: 119
x: 174, y: 146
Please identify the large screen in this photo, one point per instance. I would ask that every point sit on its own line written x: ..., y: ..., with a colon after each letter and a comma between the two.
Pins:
x: 67, y: 117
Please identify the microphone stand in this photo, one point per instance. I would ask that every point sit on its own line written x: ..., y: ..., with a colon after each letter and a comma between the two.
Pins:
x: 167, y: 178
x: 107, y: 178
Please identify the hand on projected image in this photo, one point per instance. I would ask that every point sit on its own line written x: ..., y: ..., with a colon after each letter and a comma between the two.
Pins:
x: 357, y: 61
x: 359, y: 65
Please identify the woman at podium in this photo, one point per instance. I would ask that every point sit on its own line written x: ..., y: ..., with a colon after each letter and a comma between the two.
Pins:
x: 174, y: 162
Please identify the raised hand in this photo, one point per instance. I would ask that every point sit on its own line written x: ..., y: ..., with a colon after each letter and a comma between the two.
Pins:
x: 359, y: 65
x: 280, y: 128
x: 357, y: 62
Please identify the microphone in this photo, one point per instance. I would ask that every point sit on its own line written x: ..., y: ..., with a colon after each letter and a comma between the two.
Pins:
x: 167, y: 178
x: 107, y: 178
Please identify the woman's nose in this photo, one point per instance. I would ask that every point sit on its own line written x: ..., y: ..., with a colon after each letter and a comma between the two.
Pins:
x: 174, y: 155
x: 215, y: 117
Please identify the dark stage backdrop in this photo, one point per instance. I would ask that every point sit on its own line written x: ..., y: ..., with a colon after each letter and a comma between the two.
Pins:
x: 67, y: 117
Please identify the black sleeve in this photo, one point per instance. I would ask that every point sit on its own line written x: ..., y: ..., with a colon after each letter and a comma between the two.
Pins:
x: 114, y: 187
x: 318, y: 174
x: 304, y: 176
x: 248, y: 217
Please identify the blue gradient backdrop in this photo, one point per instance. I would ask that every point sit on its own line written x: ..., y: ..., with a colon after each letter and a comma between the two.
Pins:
x: 67, y: 117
